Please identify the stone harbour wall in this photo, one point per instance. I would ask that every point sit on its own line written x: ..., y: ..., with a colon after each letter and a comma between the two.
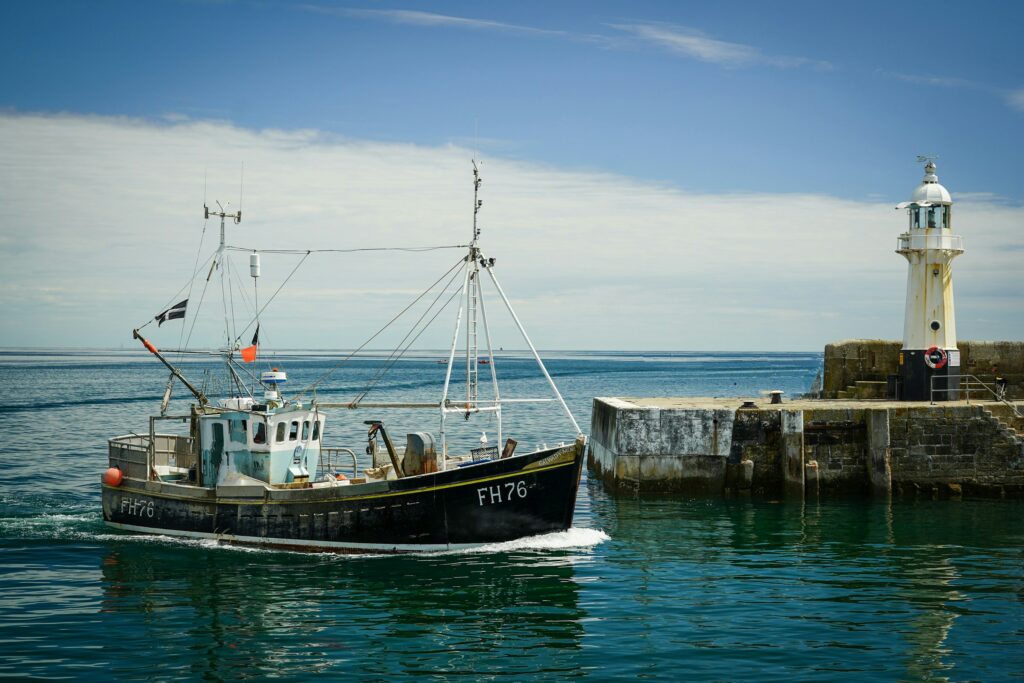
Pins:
x: 873, y: 360
x: 808, y: 447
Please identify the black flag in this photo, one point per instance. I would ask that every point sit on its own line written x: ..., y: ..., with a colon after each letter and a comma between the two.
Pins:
x: 256, y: 337
x: 172, y: 313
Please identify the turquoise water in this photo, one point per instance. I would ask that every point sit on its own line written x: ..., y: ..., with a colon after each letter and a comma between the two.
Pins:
x: 659, y: 589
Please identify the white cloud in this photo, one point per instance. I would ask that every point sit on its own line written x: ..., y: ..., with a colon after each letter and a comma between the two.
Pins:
x: 940, y: 81
x: 1015, y: 98
x: 420, y: 18
x: 678, y: 40
x: 687, y: 42
x: 100, y: 221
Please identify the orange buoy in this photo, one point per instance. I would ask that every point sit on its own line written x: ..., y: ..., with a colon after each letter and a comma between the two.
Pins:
x: 113, y: 477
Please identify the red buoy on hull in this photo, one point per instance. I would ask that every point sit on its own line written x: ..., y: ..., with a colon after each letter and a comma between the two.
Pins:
x: 113, y: 477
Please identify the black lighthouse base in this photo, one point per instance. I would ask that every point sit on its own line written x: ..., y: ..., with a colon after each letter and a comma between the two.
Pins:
x: 921, y: 382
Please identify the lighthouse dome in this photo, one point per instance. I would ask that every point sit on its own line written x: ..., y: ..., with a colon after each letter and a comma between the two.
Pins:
x: 930, y: 191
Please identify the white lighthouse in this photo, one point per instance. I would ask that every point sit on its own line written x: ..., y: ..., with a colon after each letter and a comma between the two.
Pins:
x: 929, y: 324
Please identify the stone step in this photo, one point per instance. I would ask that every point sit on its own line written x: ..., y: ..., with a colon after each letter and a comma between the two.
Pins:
x: 1006, y: 415
x: 1009, y: 423
x: 870, y: 389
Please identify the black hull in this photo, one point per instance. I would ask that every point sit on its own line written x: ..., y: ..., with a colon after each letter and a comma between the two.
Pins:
x: 485, y: 503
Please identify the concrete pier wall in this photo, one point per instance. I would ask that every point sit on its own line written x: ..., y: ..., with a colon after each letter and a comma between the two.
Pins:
x: 656, y: 449
x: 802, y: 448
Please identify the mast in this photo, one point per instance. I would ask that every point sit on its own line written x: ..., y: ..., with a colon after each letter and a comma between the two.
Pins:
x: 220, y: 262
x: 472, y: 301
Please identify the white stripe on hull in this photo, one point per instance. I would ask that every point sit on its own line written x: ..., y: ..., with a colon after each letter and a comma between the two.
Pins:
x: 337, y: 546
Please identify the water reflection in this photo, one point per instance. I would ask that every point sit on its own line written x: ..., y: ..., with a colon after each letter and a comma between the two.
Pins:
x: 223, y: 613
x: 805, y: 585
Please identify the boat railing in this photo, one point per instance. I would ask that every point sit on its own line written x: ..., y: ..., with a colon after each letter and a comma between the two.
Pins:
x: 130, y: 454
x: 151, y: 456
x: 334, y: 459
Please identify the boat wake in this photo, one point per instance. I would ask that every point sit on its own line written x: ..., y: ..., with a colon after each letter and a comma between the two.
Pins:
x: 89, y: 526
x: 576, y: 538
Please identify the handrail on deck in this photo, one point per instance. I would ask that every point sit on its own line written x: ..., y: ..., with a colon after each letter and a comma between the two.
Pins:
x: 137, y: 454
x: 327, y: 459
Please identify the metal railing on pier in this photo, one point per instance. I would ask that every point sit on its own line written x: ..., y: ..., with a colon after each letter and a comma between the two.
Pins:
x: 969, y: 384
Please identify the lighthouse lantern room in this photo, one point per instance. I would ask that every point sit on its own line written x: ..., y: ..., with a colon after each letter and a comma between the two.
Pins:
x: 929, y: 360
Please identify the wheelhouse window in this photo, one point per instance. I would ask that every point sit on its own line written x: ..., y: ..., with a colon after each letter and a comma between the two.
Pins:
x: 316, y: 430
x: 280, y: 432
x: 259, y: 432
x: 293, y: 433
x: 305, y: 430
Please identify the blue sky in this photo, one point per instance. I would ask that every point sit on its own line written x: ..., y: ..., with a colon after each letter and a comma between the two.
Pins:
x: 798, y: 97
x: 779, y: 100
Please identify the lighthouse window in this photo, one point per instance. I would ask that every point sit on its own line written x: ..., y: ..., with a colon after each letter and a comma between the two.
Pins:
x: 293, y: 434
x: 280, y: 431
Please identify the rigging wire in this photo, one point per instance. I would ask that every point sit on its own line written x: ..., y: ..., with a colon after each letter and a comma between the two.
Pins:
x: 202, y: 297
x: 411, y: 342
x: 195, y: 266
x: 174, y: 296
x: 228, y: 273
x: 188, y: 286
x: 343, y: 251
x: 392, y: 359
x: 376, y: 334
x: 274, y: 295
x: 241, y: 293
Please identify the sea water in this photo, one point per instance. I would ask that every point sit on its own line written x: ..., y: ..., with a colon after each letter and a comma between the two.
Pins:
x: 662, y: 589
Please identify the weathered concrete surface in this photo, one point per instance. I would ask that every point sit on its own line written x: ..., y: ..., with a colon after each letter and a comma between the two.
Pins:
x: 647, y: 448
x: 793, y: 453
x: 879, y: 455
x: 805, y: 447
x: 864, y: 361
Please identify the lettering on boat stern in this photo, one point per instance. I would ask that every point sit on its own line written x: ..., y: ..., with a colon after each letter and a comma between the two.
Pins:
x: 501, y: 493
x: 137, y: 507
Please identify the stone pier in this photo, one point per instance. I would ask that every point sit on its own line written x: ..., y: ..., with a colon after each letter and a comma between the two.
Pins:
x: 806, y: 447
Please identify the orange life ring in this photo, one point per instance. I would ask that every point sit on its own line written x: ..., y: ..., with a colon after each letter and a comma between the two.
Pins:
x: 935, y: 358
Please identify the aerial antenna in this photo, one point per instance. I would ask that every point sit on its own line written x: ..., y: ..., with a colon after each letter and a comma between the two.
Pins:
x: 477, y: 203
x: 476, y: 136
x: 241, y: 185
x: 222, y: 214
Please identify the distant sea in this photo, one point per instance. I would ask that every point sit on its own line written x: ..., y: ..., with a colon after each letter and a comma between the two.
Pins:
x: 659, y: 589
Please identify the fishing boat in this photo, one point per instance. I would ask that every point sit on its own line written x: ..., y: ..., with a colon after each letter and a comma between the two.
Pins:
x: 256, y: 467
